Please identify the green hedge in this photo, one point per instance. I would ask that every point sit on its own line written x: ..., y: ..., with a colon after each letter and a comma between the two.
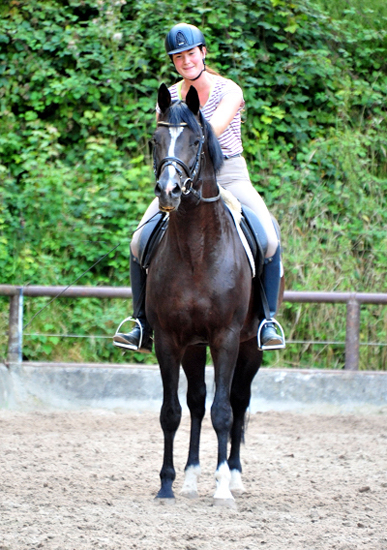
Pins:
x: 78, y: 83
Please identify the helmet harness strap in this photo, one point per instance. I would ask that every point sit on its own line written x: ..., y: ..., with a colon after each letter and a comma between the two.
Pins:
x: 201, y: 72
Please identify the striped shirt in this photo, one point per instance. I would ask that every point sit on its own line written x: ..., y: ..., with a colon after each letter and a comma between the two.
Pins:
x: 230, y: 141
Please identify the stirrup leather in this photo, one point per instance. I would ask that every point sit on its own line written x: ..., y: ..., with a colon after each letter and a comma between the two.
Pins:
x: 134, y: 321
x: 281, y: 331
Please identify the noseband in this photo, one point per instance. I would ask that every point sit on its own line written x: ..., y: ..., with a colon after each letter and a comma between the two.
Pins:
x: 191, y: 173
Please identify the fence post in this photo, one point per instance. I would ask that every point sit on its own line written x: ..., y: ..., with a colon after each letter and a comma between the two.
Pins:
x: 352, y: 334
x: 15, y: 331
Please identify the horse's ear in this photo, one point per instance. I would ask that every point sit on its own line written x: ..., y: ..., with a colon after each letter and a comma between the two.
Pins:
x: 192, y: 100
x: 164, y: 98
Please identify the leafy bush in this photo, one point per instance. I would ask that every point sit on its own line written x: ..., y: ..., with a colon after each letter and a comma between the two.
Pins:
x: 78, y: 83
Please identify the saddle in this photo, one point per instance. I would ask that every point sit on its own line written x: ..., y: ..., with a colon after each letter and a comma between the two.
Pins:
x: 151, y: 236
x: 250, y: 230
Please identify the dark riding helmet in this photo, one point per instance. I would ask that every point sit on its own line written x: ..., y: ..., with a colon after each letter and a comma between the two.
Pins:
x: 183, y: 37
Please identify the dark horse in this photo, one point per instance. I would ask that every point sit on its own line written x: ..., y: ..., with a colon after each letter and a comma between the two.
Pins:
x: 199, y: 294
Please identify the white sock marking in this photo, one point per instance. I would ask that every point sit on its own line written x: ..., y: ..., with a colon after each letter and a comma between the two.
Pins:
x: 190, y: 486
x: 223, y: 477
x: 236, y: 484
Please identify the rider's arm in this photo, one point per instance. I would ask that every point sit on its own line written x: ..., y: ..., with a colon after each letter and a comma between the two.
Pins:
x: 226, y: 111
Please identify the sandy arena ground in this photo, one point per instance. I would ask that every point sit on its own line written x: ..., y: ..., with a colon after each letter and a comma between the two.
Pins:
x: 86, y: 480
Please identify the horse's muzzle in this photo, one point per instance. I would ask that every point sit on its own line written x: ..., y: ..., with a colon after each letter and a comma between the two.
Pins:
x: 169, y: 195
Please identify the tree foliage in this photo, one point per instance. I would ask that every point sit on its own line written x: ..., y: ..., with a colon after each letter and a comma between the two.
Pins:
x: 78, y: 82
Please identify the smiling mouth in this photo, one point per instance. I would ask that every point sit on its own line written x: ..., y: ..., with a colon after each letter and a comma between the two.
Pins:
x: 166, y: 208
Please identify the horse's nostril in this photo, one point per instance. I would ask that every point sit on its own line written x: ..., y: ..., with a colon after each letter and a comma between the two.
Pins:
x: 176, y: 191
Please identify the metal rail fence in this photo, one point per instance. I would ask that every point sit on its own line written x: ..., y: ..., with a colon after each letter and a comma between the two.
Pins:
x: 353, y: 301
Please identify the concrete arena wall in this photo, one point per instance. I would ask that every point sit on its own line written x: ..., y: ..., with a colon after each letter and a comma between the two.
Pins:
x: 65, y: 386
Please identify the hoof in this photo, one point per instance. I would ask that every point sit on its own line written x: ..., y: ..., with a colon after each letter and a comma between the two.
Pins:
x: 225, y: 503
x: 165, y: 501
x: 166, y: 492
x: 237, y: 491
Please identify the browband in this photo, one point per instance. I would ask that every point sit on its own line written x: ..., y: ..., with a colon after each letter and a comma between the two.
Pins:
x: 162, y: 123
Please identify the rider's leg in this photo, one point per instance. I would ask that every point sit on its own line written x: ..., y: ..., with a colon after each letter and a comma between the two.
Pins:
x: 271, y: 279
x: 235, y: 178
x: 152, y: 209
x: 140, y: 337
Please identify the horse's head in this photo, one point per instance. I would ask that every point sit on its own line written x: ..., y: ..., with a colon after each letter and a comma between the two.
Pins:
x: 178, y: 144
x: 179, y: 147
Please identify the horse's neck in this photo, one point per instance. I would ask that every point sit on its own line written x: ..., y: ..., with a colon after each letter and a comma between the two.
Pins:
x: 197, y: 229
x: 196, y: 213
x: 209, y: 186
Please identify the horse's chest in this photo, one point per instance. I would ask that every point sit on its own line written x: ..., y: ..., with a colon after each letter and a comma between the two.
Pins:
x: 190, y: 296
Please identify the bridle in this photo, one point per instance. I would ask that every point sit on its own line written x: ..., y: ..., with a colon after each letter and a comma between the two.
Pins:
x: 191, y: 175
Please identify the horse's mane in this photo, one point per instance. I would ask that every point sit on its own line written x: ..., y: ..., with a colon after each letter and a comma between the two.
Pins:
x: 180, y: 112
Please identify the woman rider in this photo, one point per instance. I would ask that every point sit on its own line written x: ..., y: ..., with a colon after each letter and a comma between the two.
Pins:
x: 221, y: 103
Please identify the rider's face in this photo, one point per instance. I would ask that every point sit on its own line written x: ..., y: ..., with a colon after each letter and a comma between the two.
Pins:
x: 189, y: 63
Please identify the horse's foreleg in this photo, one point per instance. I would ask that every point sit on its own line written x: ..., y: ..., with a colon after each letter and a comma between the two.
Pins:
x: 193, y: 363
x: 224, y: 358
x: 248, y: 363
x: 169, y: 419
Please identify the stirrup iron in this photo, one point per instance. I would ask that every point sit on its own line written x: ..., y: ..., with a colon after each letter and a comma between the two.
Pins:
x: 134, y: 321
x: 281, y: 331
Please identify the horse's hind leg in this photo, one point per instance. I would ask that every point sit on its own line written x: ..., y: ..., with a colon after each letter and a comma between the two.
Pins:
x: 224, y: 352
x: 194, y: 362
x: 248, y: 363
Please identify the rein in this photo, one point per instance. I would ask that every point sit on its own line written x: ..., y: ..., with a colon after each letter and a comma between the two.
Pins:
x: 192, y: 173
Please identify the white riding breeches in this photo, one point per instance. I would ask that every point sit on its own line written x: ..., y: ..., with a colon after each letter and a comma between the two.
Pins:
x: 234, y: 177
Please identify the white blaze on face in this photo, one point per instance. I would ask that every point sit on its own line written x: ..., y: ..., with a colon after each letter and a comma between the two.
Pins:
x: 174, y: 133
